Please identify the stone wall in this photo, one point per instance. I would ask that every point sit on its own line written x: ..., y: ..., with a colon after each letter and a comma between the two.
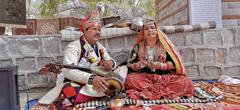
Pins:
x: 206, y: 54
x: 172, y: 12
x: 30, y: 53
x: 209, y: 54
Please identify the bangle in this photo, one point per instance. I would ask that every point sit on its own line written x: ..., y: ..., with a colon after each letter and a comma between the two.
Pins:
x: 162, y: 66
x: 90, y: 79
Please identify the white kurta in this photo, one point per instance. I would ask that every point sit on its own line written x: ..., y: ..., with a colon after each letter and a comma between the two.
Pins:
x: 71, y: 56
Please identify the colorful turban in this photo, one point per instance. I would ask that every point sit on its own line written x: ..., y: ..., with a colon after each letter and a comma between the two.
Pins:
x: 90, y: 21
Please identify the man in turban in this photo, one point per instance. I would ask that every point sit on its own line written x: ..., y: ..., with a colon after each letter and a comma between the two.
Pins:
x: 80, y: 86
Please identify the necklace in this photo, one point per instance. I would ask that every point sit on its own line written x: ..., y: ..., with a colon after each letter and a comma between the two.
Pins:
x: 150, y: 52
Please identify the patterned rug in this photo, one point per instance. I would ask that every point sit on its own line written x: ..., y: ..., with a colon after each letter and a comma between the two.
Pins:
x: 231, y: 100
x: 231, y: 93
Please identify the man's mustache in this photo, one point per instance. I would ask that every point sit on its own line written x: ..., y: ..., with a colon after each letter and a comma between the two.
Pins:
x: 98, y: 35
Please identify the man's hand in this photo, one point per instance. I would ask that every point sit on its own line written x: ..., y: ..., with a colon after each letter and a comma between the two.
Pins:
x: 106, y: 64
x: 100, y: 83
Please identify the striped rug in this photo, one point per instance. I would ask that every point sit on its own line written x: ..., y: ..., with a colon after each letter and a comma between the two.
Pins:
x: 231, y: 101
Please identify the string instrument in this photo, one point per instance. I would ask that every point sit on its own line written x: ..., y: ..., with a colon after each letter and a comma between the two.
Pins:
x: 114, y: 80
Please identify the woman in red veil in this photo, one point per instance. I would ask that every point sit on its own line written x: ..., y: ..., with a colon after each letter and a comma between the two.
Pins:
x: 156, y: 69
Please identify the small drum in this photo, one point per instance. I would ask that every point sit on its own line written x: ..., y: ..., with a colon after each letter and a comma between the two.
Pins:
x: 114, y: 80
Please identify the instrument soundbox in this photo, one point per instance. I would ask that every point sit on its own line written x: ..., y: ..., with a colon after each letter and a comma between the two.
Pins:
x: 114, y: 80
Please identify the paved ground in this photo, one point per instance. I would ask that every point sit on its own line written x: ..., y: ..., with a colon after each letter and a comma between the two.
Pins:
x: 33, y: 94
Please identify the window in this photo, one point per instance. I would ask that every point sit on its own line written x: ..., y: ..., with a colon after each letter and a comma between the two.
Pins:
x: 205, y: 10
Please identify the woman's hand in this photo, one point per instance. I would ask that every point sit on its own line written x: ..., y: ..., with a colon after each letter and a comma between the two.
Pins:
x: 156, y: 65
x: 139, y: 65
x: 162, y: 66
x: 100, y: 83
x: 162, y: 58
x: 143, y: 63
